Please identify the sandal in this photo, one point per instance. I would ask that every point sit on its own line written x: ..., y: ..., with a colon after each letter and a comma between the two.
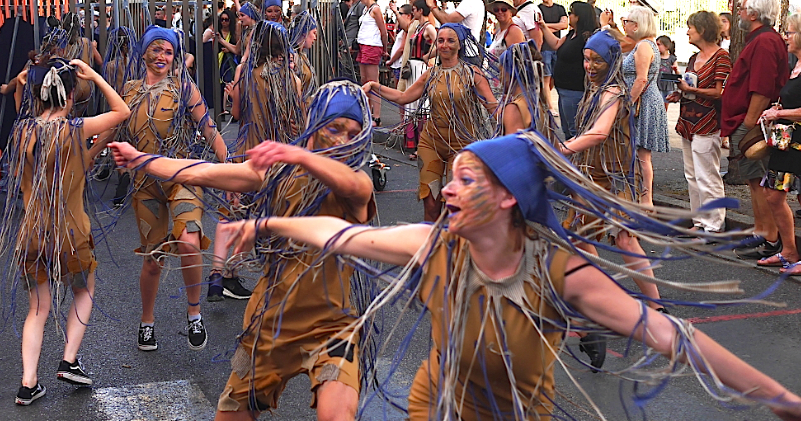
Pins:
x: 377, y: 121
x: 413, y: 156
x: 793, y: 269
x: 777, y: 260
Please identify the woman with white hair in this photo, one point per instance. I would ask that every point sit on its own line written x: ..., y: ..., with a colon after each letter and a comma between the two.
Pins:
x: 640, y: 71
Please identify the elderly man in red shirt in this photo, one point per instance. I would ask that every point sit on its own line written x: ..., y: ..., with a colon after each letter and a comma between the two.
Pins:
x: 755, y: 82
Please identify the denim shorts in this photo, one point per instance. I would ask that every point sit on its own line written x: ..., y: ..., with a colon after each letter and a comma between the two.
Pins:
x: 549, y: 59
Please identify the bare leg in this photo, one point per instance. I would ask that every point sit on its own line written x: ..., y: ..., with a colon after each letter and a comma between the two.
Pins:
x: 221, y: 238
x: 33, y: 333
x: 148, y: 288
x: 191, y: 261
x: 764, y: 224
x: 783, y: 216
x: 78, y: 318
x: 647, y: 170
x: 432, y: 208
x: 632, y: 245
x: 369, y: 73
x: 549, y: 83
x: 336, y: 401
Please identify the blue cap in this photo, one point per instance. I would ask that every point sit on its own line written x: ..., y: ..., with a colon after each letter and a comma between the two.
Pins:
x: 153, y: 33
x: 605, y: 45
x: 249, y: 10
x: 512, y: 160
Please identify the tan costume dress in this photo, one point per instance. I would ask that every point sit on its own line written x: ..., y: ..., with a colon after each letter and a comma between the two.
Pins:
x: 157, y: 203
x: 452, y: 125
x: 307, y: 305
x: 55, y: 235
x: 452, y: 287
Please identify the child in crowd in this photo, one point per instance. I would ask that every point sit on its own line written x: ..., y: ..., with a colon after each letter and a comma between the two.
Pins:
x: 667, y: 54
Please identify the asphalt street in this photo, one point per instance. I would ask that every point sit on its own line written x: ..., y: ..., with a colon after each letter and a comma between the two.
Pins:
x: 176, y: 383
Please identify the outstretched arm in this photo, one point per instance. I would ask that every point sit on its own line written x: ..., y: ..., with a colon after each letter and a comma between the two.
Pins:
x: 395, y: 245
x: 592, y: 293
x: 230, y: 177
x: 411, y: 94
x: 354, y: 186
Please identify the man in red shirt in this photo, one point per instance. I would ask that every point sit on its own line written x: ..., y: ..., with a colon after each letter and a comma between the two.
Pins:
x: 755, y: 82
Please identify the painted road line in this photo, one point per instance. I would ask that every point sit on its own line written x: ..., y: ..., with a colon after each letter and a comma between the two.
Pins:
x: 725, y: 318
x: 173, y: 400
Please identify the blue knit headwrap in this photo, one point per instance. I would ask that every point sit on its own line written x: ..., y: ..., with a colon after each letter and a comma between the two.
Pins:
x: 511, y: 159
x: 605, y: 45
x: 302, y: 24
x: 250, y: 11
x: 153, y: 33
x: 341, y: 104
x: 269, y: 3
x: 462, y: 32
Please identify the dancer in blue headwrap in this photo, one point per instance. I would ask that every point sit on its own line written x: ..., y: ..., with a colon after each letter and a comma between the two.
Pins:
x: 603, y: 148
x: 503, y: 286
x: 455, y: 92
x: 297, y: 316
x: 302, y: 34
x: 48, y: 240
x: 524, y: 103
x: 248, y: 15
x: 271, y: 10
x: 167, y: 112
x: 266, y: 97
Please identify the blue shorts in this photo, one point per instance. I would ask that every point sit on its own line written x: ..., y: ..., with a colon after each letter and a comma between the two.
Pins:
x: 549, y: 59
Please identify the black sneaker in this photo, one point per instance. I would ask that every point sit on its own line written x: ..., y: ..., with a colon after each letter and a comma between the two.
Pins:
x: 73, y: 373
x: 232, y: 288
x: 26, y: 395
x: 765, y: 249
x: 196, y: 334
x: 147, y: 338
x: 215, y: 288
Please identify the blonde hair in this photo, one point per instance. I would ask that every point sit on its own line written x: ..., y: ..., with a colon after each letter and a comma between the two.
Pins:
x: 794, y: 20
x: 646, y: 23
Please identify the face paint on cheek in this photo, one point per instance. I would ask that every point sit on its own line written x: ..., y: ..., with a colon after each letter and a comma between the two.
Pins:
x: 151, y: 55
x: 475, y: 199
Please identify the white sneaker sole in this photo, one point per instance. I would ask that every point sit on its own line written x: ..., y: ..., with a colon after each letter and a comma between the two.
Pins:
x: 74, y: 379
x: 199, y: 347
x: 26, y: 402
x: 230, y: 294
x: 148, y: 347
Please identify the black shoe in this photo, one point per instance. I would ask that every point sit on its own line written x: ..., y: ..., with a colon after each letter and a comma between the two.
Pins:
x: 73, y: 373
x: 147, y: 338
x: 765, y: 249
x: 594, y: 345
x: 215, y: 288
x: 663, y: 310
x: 196, y: 334
x: 26, y: 395
x: 232, y: 288
x: 750, y: 242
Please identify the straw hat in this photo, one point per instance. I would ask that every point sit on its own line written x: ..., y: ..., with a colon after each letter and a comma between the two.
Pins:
x: 508, y: 3
x: 753, y: 145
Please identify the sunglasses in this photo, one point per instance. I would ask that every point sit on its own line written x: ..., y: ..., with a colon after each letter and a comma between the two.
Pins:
x: 225, y: 20
x: 501, y: 9
x: 625, y: 21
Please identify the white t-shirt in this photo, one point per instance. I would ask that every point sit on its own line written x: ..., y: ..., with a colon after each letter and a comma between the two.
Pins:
x: 399, y: 40
x: 526, y: 17
x: 473, y: 13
